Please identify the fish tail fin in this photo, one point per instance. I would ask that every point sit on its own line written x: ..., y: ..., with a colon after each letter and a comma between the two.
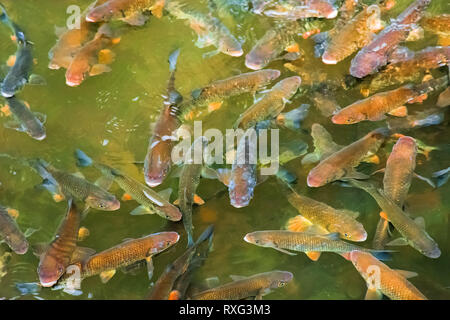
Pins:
x: 382, y: 255
x: 40, y: 166
x: 293, y: 118
x: 190, y: 241
x: 441, y: 176
x: 208, y: 233
x: 286, y: 176
x: 82, y: 159
x: 173, y: 57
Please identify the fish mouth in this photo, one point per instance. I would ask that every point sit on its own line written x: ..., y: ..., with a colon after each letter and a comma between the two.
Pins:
x: 54, y: 66
x: 153, y: 182
x: 328, y: 60
x: 7, y: 94
x: 40, y: 137
x: 90, y: 19
x: 332, y: 14
x: 247, y: 238
x: 48, y: 284
x: 235, y: 53
x: 312, y: 181
x: 21, y: 250
x: 238, y: 204
x: 253, y: 65
x: 435, y: 253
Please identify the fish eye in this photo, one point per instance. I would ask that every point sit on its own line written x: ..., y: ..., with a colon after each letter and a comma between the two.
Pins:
x: 60, y: 269
x: 346, y: 235
x: 281, y: 284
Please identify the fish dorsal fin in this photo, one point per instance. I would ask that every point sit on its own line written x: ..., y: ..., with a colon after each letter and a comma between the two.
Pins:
x: 41, y: 117
x: 78, y: 174
x: 237, y: 278
x: 313, y: 255
x: 350, y: 213
x: 105, y: 276
x: 39, y: 248
x: 29, y: 232
x: 407, y: 274
x: 104, y: 182
x: 332, y: 236
x: 285, y: 251
x: 420, y: 221
x: 209, y: 173
x: 81, y: 253
x: 37, y: 80
x: 141, y: 210
x: 165, y: 194
x: 298, y: 224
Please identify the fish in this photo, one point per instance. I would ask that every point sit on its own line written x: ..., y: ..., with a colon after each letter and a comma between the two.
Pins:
x: 355, y: 34
x: 158, y: 159
x: 412, y: 231
x: 82, y: 63
x: 381, y: 279
x: 258, y: 6
x: 188, y: 183
x: 165, y: 283
x: 55, y: 257
x: 428, y: 117
x: 341, y: 164
x: 25, y: 120
x: 294, y: 10
x: 375, y: 54
x: 438, y: 24
x: 62, y: 184
x: 70, y: 41
x: 333, y: 220
x: 244, y: 287
x: 20, y: 73
x: 376, y: 106
x: 311, y: 244
x: 441, y: 176
x: 271, y: 104
x: 129, y: 11
x: 123, y: 255
x: 150, y: 201
x: 324, y: 145
x: 210, y: 30
x: 229, y: 87
x: 325, y: 102
x: 412, y: 68
x: 11, y: 234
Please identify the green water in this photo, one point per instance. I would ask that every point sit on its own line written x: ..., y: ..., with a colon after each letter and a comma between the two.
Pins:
x: 108, y: 117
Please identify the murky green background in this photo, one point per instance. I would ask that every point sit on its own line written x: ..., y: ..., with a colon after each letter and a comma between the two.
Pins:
x: 108, y: 117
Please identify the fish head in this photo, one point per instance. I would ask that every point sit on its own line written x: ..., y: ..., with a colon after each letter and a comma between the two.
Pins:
x: 280, y: 278
x: 347, y: 116
x: 17, y: 242
x: 365, y: 63
x: 163, y: 240
x: 426, y: 246
x: 50, y: 270
x: 231, y: 47
x: 320, y: 175
x: 10, y: 85
x: 106, y: 202
x: 74, y: 77
x: 364, y: 262
x: 100, y: 13
x: 256, y: 60
x: 356, y: 233
x: 260, y: 238
x: 241, y: 191
x: 157, y: 162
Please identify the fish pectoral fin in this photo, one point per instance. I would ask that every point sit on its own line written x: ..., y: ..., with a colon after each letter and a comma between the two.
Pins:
x: 126, y: 197
x: 198, y: 200
x: 237, y: 278
x: 384, y: 215
x: 41, y: 117
x: 382, y: 170
x: 37, y: 80
x: 176, y: 202
x: 371, y: 159
x: 29, y: 232
x: 14, y: 125
x: 105, y: 276
x: 150, y: 267
x: 133, y: 268
x: 209, y: 173
x: 350, y: 213
x: 313, y: 255
x: 224, y: 175
x: 429, y: 181
x: 213, y: 106
x: 373, y: 294
x: 135, y: 19
x: 39, y: 248
x: 141, y: 210
x: 298, y: 224
x: 420, y: 221
x: 399, y: 112
x: 407, y: 274
x: 398, y: 242
x: 210, y: 54
x: 78, y: 174
x: 353, y: 174
x: 99, y: 69
x: 81, y: 253
x: 285, y: 251
x: 165, y: 194
x: 157, y: 8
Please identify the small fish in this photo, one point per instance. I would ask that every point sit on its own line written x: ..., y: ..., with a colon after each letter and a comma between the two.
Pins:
x: 381, y: 279
x: 20, y: 73
x: 354, y: 35
x: 333, y: 220
x: 55, y: 257
x: 376, y: 54
x: 375, y: 107
x: 158, y: 160
x: 150, y: 201
x: 129, y: 11
x: 127, y: 253
x: 412, y: 231
x: 294, y: 10
x: 271, y: 104
x: 428, y: 117
x: 311, y: 244
x: 441, y: 176
x: 11, y: 234
x: 244, y: 287
x: 82, y: 63
x: 341, y: 164
x: 165, y: 283
x: 25, y: 120
x: 210, y: 30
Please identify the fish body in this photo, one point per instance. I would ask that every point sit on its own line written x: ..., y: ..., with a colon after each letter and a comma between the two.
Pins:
x: 27, y: 120
x: 158, y: 159
x: 253, y: 286
x: 353, y: 35
x: 342, y: 162
x: 331, y: 219
x: 57, y: 257
x: 294, y: 10
x: 379, y: 277
x: 11, y: 234
x: 376, y: 54
x: 271, y: 104
x: 439, y: 24
x: 324, y: 145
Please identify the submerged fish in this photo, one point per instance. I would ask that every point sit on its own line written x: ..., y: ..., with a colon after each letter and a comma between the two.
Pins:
x: 324, y: 145
x: 210, y: 30
x: 441, y: 176
x: 376, y: 54
x: 309, y: 243
x: 11, y: 234
x: 63, y: 184
x: 130, y: 251
x: 150, y: 201
x: 375, y: 107
x: 353, y: 35
x: 381, y: 279
x: 412, y: 231
x: 341, y: 164
x: 129, y: 11
x: 439, y: 24
x: 165, y: 283
x: 333, y: 220
x: 158, y: 160
x: 244, y: 287
x: 271, y: 104
x: 55, y: 257
x: 25, y: 120
x: 428, y: 117
x: 294, y: 9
